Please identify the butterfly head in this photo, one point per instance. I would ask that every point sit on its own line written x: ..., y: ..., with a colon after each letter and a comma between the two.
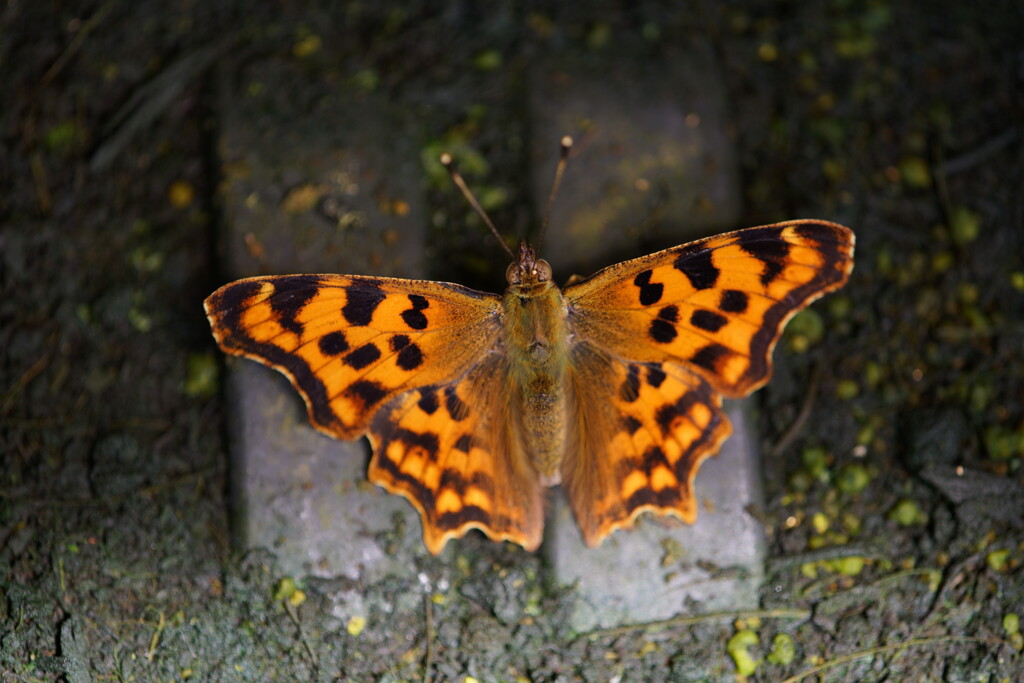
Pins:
x: 528, y: 269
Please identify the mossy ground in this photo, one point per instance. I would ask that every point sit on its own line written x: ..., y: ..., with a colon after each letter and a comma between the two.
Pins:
x: 899, y: 119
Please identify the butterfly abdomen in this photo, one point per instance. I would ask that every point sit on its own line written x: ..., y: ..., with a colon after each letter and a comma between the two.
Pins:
x: 537, y: 347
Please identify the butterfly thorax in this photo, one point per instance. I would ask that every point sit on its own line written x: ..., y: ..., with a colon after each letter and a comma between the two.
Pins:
x: 535, y: 315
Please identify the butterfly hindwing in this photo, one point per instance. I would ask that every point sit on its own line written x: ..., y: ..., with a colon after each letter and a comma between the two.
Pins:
x: 638, y: 447
x: 448, y: 449
x: 351, y: 344
x: 717, y: 305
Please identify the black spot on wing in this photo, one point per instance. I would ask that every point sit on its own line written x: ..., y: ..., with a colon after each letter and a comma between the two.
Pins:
x: 333, y: 343
x: 734, y: 301
x: 663, y: 329
x: 464, y: 443
x: 410, y: 356
x: 362, y: 299
x: 707, y: 356
x: 455, y: 406
x: 697, y: 267
x: 709, y: 321
x: 290, y: 295
x: 767, y: 246
x: 414, y: 317
x: 362, y: 357
x: 668, y: 414
x: 650, y: 293
x: 428, y: 401
x: 631, y: 424
x: 655, y: 376
x: 630, y: 389
x: 367, y: 392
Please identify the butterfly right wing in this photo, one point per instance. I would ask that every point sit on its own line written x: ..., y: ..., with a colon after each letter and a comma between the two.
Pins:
x: 638, y: 445
x: 668, y: 333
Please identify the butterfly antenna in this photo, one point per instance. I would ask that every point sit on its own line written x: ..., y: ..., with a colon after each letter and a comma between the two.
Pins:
x: 563, y: 161
x: 446, y: 161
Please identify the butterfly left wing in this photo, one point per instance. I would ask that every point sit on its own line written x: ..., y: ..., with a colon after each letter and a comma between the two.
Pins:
x: 448, y: 448
x: 416, y: 364
x: 350, y: 344
x: 671, y: 332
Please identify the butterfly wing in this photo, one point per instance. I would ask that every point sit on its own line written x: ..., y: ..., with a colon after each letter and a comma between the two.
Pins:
x: 448, y: 449
x: 351, y: 344
x: 717, y: 305
x: 416, y: 364
x: 639, y: 451
x: 671, y: 331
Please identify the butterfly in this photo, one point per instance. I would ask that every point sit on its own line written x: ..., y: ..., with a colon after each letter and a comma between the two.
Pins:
x: 474, y: 403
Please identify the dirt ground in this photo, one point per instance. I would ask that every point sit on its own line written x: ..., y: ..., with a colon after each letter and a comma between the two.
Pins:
x: 892, y: 433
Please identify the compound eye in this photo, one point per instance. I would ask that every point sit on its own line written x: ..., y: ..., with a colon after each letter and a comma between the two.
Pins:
x: 513, y: 274
x: 543, y: 270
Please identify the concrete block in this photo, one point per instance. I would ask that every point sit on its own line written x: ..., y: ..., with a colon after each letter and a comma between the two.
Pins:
x: 654, y: 166
x: 333, y: 188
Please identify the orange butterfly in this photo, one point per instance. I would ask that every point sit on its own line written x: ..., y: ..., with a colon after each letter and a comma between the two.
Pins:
x: 475, y: 402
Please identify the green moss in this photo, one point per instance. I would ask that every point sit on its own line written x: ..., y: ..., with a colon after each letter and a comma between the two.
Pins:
x: 805, y: 330
x: 202, y: 373
x: 853, y: 478
x: 964, y: 225
x: 815, y: 460
x: 1011, y: 623
x: 783, y: 650
x: 847, y: 389
x: 914, y: 171
x: 738, y: 649
x: 907, y: 513
x: 997, y: 559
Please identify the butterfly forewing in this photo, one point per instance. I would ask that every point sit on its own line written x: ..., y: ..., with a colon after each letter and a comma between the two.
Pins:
x: 717, y: 305
x: 350, y: 344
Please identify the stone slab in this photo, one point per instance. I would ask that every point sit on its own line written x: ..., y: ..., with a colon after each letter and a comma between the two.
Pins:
x: 653, y: 166
x: 335, y: 187
x: 339, y: 190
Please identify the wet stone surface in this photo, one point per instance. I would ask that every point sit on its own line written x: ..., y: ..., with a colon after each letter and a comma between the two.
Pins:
x: 655, y: 158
